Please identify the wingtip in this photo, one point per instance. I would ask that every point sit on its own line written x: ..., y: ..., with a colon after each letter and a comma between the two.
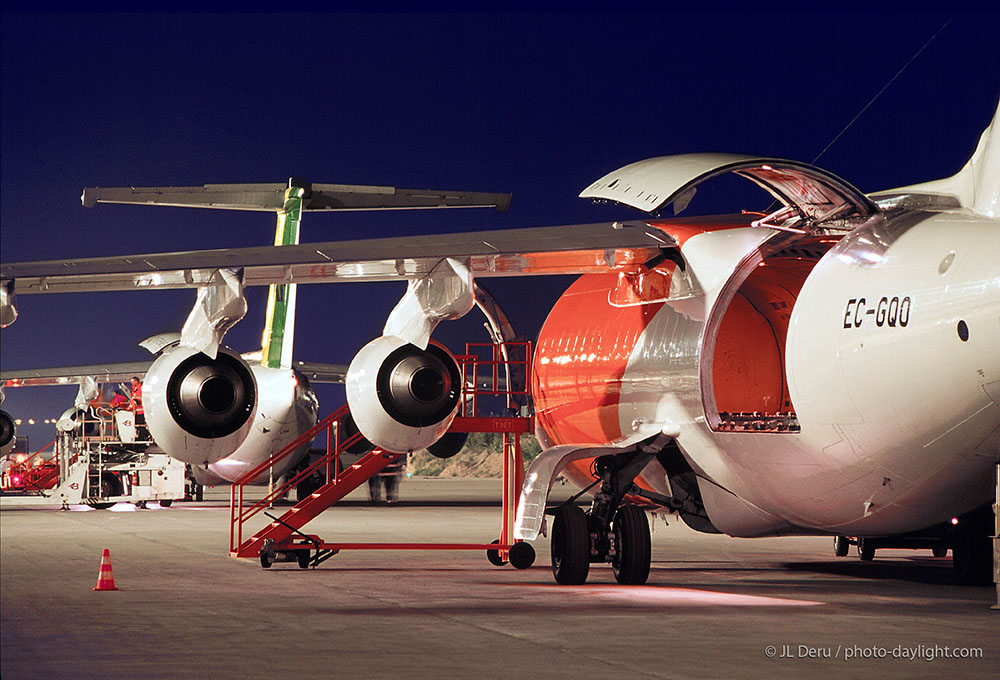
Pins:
x: 89, y: 197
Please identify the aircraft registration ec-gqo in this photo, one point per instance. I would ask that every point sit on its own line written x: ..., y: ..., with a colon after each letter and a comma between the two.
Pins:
x: 832, y: 367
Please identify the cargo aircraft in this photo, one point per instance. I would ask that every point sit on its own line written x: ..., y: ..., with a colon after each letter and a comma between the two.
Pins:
x: 831, y: 366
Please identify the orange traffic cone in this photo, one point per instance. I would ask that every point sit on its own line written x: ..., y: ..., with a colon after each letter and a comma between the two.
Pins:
x: 105, y: 579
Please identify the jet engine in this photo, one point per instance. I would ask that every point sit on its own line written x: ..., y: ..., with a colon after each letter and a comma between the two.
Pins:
x: 199, y: 409
x: 7, y: 433
x: 448, y: 445
x: 403, y: 398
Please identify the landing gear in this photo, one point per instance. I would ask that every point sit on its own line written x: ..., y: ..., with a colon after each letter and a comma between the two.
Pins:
x: 570, y: 546
x: 866, y: 549
x: 612, y: 531
x: 841, y: 544
x: 631, y: 546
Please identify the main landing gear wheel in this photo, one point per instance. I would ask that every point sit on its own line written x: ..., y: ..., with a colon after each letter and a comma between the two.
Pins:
x: 521, y: 555
x: 866, y: 549
x: 570, y: 546
x: 632, y: 546
x: 841, y: 544
x: 494, y: 555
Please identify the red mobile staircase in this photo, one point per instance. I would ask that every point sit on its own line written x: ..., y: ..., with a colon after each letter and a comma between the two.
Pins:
x: 487, y: 370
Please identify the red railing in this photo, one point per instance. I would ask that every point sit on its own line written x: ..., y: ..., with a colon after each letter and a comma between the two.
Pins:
x: 329, y: 462
x: 31, y: 473
x: 495, y: 370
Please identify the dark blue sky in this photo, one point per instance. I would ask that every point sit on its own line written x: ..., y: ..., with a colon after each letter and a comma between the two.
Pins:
x: 537, y: 105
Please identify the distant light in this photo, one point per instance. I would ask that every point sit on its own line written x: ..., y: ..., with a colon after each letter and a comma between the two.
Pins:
x: 17, y: 480
x: 21, y: 457
x: 17, y: 421
x: 954, y: 520
x: 31, y: 421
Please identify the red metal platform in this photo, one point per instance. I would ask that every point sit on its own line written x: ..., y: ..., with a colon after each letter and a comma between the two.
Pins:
x: 488, y: 370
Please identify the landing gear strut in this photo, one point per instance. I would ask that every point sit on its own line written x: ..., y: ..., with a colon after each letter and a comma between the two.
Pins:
x: 610, y: 532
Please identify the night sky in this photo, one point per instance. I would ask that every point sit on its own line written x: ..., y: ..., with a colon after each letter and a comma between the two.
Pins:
x: 536, y: 105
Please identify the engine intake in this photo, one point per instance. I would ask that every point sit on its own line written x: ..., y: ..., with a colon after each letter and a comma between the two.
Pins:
x: 199, y: 409
x: 403, y: 398
x: 211, y: 398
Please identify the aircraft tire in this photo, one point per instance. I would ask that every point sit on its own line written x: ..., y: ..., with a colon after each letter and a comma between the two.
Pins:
x: 866, y: 549
x: 632, y: 545
x: 940, y: 551
x: 570, y: 546
x: 841, y: 546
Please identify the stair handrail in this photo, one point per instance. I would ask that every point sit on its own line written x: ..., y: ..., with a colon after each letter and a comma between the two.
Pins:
x: 239, y: 515
x: 275, y: 458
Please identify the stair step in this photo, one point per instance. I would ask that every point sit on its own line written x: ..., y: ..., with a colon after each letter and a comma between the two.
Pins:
x: 296, y: 517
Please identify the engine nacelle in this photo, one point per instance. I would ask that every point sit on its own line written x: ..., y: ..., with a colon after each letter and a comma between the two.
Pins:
x: 448, y: 445
x: 8, y: 433
x: 199, y: 409
x: 403, y: 398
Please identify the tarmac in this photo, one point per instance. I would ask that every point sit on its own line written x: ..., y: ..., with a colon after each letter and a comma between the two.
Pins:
x: 714, y: 607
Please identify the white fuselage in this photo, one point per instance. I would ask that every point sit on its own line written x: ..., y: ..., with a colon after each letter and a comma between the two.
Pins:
x: 885, y: 350
x: 287, y: 407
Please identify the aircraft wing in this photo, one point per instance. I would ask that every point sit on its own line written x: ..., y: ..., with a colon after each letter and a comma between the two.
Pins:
x: 74, y: 375
x: 573, y: 249
x: 121, y: 372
